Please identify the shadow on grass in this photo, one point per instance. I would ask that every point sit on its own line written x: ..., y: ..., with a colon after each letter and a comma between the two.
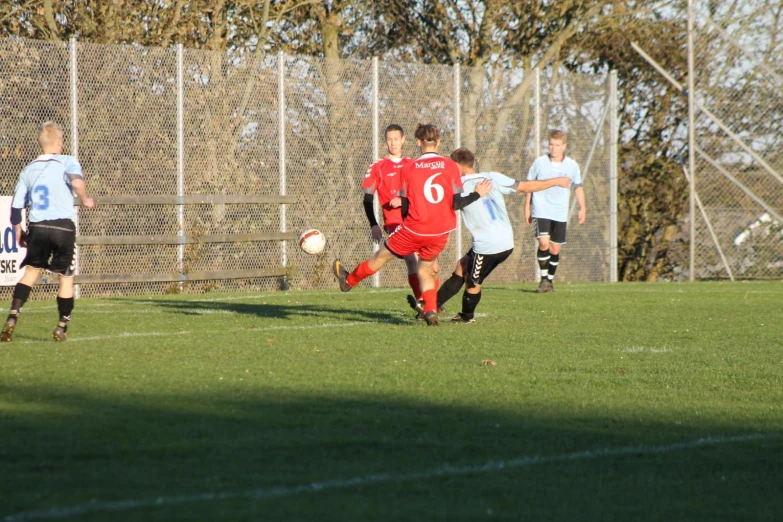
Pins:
x: 195, y: 306
x: 64, y: 448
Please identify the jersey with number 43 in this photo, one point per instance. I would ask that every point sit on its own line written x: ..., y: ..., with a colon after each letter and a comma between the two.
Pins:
x: 430, y: 183
x: 44, y: 185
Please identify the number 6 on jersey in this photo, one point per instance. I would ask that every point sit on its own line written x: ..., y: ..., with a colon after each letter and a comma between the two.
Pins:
x: 432, y: 191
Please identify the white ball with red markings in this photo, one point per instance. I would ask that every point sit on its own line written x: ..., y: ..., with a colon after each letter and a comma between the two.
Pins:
x: 312, y: 241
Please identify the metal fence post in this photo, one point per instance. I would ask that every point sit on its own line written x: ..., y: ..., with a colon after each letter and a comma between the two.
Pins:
x: 537, y: 112
x: 74, y: 76
x: 613, y: 184
x: 376, y: 151
x: 537, y: 137
x: 691, y: 143
x: 281, y: 159
x: 180, y: 157
x: 458, y: 144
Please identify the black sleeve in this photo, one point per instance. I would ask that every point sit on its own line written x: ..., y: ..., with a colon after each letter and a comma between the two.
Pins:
x: 404, y: 206
x: 16, y: 216
x: 459, y: 201
x: 369, y: 210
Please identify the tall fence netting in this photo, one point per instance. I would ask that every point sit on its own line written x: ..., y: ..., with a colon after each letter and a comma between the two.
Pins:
x: 739, y: 91
x: 228, y: 139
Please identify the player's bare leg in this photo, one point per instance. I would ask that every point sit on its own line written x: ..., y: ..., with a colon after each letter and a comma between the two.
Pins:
x: 544, y: 256
x: 20, y: 296
x: 418, y: 304
x: 427, y: 276
x: 366, y: 269
x: 414, y: 301
x: 64, y: 307
x: 412, y: 264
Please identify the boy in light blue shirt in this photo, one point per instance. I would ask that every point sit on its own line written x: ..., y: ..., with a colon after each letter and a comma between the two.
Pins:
x: 47, y: 186
x: 489, y: 224
x: 548, y: 209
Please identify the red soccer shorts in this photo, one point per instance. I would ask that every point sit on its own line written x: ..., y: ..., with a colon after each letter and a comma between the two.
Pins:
x: 402, y: 242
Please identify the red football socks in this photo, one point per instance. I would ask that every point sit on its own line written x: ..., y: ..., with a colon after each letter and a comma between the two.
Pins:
x: 413, y: 281
x: 430, y: 300
x: 362, y: 271
x: 437, y: 284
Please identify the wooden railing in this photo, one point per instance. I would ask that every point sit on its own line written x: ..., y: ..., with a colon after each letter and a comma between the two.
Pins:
x: 184, y: 239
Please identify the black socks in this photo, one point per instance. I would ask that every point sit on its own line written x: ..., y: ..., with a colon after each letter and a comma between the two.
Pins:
x: 469, y: 303
x: 449, y: 289
x: 20, y: 296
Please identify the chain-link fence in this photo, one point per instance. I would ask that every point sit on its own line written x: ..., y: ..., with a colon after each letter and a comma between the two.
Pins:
x: 178, y: 122
x: 739, y: 114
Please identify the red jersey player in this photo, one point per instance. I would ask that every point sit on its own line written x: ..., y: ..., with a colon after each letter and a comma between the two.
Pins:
x: 383, y: 177
x: 430, y: 192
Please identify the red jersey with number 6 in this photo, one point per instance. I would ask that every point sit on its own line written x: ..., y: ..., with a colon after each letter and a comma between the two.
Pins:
x: 430, y: 183
x: 383, y: 177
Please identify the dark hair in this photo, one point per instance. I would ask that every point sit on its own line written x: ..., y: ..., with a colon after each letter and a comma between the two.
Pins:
x: 427, y: 132
x: 394, y: 127
x: 463, y: 157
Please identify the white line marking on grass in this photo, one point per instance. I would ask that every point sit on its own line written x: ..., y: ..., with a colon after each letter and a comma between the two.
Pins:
x: 650, y: 349
x: 293, y: 294
x: 95, y: 506
x: 196, y: 298
x: 126, y: 335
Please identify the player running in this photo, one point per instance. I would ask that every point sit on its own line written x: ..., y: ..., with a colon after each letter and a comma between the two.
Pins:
x: 488, y: 223
x: 47, y: 185
x: 430, y: 192
x: 383, y: 178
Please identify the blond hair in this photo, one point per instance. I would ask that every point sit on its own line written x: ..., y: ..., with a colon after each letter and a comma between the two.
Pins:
x: 50, y: 134
x: 558, y: 135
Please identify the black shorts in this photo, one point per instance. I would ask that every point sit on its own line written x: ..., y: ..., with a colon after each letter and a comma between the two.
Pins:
x: 556, y: 230
x: 481, y: 265
x: 51, y: 246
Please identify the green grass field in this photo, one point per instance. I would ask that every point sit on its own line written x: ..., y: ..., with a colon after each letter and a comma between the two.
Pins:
x: 608, y: 402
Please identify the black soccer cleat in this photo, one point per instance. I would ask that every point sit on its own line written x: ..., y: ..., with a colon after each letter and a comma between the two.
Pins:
x: 462, y: 318
x: 432, y: 318
x: 341, y: 273
x: 7, y: 334
x: 59, y: 334
x: 417, y: 306
x: 544, y: 286
x: 550, y: 287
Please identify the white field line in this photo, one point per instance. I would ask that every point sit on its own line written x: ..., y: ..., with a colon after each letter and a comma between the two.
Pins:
x: 296, y: 294
x: 96, y: 506
x: 126, y: 335
x: 197, y: 299
x: 650, y: 349
x: 80, y: 312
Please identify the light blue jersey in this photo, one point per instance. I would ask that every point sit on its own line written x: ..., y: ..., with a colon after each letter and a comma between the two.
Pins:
x: 552, y: 203
x: 44, y: 185
x: 487, y: 219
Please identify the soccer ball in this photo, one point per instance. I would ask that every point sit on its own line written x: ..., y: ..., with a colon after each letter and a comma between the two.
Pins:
x: 312, y: 241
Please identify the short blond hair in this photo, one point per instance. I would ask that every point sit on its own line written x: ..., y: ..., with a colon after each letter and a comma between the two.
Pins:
x: 50, y: 134
x: 557, y: 134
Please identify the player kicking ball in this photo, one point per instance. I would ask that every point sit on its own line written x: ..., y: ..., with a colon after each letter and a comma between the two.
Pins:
x: 430, y: 194
x: 488, y: 223
x: 47, y: 185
